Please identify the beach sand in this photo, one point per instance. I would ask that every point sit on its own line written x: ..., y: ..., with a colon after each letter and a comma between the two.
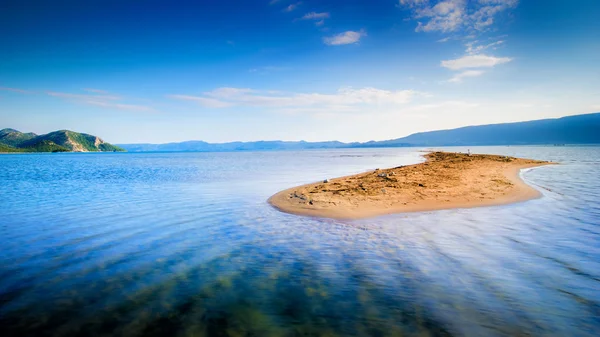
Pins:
x: 444, y: 181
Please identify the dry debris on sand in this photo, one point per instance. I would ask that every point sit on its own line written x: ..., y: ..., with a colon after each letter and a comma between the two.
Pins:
x: 445, y: 180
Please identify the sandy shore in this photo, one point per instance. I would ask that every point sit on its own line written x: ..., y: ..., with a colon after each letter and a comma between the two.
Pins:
x: 444, y: 181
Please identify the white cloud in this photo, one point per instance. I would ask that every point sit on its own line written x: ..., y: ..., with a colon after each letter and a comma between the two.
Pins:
x: 453, y: 15
x: 267, y: 69
x: 446, y: 16
x: 474, y: 61
x: 83, y: 96
x: 446, y: 104
x: 413, y: 3
x: 120, y: 106
x: 228, y: 92
x: 315, y: 16
x: 96, y: 91
x: 292, y: 7
x: 20, y: 91
x: 318, y: 17
x: 106, y: 101
x: 348, y: 37
x: 523, y: 105
x: 345, y: 99
x: 472, y: 48
x: 204, y: 101
x: 468, y: 73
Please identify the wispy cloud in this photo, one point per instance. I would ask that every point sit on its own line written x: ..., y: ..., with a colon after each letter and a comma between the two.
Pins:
x: 473, y: 48
x: 458, y: 78
x: 292, y: 7
x: 475, y: 61
x: 445, y: 104
x: 348, y: 37
x: 228, y: 92
x: 204, y: 101
x: 20, y: 91
x: 106, y: 101
x: 120, y: 106
x: 96, y: 91
x: 83, y: 96
x: 453, y: 15
x: 315, y: 16
x: 345, y: 99
x: 319, y: 18
x: 267, y: 69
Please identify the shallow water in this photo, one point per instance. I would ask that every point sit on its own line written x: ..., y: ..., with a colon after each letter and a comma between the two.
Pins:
x: 185, y: 244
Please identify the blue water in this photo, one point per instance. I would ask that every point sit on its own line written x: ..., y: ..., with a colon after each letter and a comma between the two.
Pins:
x: 185, y: 244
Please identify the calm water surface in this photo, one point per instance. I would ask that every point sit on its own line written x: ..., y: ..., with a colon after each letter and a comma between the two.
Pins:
x: 184, y: 244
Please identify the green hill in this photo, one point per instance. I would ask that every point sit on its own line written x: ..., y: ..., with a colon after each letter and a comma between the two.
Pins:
x: 58, y: 141
x: 45, y: 146
x: 14, y: 138
x: 5, y: 148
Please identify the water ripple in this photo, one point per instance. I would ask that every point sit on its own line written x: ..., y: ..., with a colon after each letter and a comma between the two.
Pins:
x: 185, y: 244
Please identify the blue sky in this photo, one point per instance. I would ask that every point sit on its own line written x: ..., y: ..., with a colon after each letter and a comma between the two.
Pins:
x: 164, y: 71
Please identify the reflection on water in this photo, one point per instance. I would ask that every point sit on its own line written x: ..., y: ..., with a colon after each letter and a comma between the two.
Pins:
x: 185, y: 244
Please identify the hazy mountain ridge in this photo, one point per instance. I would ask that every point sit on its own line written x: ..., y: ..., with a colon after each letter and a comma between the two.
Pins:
x: 578, y: 129
x: 233, y: 146
x: 57, y: 141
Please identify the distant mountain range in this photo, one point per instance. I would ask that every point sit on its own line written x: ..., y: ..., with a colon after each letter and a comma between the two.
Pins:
x: 579, y: 129
x: 12, y: 140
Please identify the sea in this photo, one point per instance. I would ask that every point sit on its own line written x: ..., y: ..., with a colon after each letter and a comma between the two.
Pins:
x: 185, y: 244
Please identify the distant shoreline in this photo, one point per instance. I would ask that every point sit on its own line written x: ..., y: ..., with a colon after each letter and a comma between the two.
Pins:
x: 444, y: 181
x: 564, y: 131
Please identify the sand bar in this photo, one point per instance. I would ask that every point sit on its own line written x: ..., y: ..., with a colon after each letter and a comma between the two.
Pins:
x: 445, y: 181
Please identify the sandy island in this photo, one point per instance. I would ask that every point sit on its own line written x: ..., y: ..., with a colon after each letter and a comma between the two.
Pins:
x: 444, y: 181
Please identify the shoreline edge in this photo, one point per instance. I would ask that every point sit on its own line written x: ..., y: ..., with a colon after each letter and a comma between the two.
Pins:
x: 444, y: 181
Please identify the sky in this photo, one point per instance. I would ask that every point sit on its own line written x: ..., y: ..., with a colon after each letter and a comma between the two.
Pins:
x: 225, y: 70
